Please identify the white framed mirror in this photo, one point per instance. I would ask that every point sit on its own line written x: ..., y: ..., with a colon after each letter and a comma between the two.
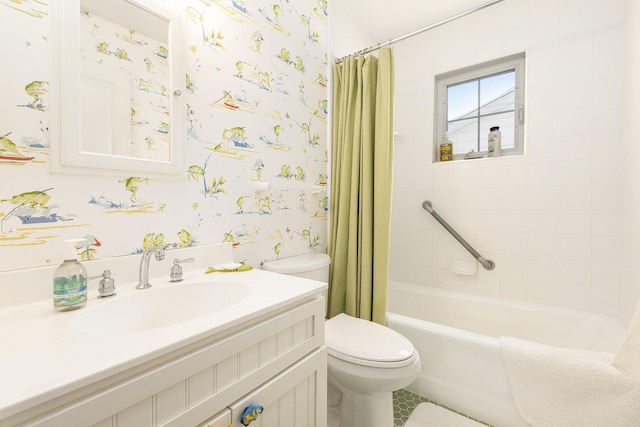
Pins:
x: 117, y: 88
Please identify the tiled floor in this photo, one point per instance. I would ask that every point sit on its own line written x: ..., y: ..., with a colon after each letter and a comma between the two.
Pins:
x: 404, y: 403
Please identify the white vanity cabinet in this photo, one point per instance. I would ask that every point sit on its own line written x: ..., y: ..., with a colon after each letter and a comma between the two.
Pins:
x: 277, y: 360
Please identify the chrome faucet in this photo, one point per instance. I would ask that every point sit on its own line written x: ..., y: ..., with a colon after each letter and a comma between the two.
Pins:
x: 143, y: 276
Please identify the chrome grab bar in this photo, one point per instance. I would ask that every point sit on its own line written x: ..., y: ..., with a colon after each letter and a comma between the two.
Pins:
x: 486, y: 263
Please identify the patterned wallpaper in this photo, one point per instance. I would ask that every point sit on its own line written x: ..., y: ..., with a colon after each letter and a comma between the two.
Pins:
x: 256, y: 111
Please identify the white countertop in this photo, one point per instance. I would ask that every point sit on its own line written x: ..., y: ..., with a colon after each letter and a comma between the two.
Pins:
x: 44, y: 356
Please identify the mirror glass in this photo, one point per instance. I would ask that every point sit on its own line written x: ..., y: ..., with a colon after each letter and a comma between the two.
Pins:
x: 119, y: 88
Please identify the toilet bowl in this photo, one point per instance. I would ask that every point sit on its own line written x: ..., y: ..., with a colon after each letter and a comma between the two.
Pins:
x: 366, y: 361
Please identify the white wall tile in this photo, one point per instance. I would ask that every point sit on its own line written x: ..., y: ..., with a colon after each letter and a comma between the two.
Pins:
x: 464, y: 283
x: 487, y: 176
x: 464, y: 199
x: 514, y: 243
x: 488, y: 283
x: 542, y: 243
x: 488, y: 198
x: 575, y: 145
x: 575, y: 221
x: 548, y: 218
x: 488, y: 221
x: 575, y: 273
x: 543, y: 174
x: 543, y: 198
x: 542, y: 292
x: 604, y: 196
x: 575, y: 197
x: 605, y: 247
x: 464, y: 178
x: 604, y: 300
x: 608, y: 13
x: 605, y: 222
x: 544, y: 222
x: 514, y: 198
x: 488, y: 243
x: 514, y: 221
x: 513, y: 276
x: 512, y: 175
x: 442, y: 178
x: 605, y: 170
x: 604, y: 274
x: 574, y: 296
x: 574, y: 247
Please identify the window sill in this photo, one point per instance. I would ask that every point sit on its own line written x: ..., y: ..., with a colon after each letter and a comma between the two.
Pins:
x: 461, y: 158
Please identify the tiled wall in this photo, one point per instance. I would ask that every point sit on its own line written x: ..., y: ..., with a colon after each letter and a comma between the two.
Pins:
x: 257, y: 110
x: 630, y: 274
x: 549, y: 219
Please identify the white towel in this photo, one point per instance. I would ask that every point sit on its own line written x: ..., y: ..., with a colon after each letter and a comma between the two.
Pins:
x: 628, y: 358
x: 558, y: 387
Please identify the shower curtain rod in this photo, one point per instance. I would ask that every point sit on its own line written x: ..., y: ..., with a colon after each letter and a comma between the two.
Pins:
x: 421, y: 30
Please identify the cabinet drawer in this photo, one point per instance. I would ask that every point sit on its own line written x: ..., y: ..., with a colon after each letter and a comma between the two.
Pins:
x: 187, y: 390
x: 223, y: 419
x: 296, y: 397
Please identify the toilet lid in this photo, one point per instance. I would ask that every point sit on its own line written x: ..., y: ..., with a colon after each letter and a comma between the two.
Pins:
x: 366, y: 343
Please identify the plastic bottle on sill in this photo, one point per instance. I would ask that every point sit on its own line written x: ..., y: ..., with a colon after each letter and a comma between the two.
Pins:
x: 70, y: 280
x: 446, y: 150
x: 494, y: 142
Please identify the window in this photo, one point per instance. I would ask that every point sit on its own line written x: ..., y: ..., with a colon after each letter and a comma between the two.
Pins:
x: 469, y: 102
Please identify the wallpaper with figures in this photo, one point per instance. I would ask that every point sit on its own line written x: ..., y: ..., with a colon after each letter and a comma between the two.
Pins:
x: 256, y: 111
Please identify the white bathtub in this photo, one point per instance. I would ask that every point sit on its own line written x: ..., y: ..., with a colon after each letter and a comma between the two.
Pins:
x: 457, y: 334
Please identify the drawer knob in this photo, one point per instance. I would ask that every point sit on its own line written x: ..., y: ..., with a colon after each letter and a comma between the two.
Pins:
x: 250, y: 413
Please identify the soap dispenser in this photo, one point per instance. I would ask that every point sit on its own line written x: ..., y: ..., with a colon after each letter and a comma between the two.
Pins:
x: 70, y: 280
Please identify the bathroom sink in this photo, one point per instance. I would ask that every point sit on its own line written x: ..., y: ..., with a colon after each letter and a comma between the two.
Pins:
x: 159, y: 307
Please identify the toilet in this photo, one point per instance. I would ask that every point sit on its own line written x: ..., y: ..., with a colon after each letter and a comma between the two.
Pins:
x: 366, y: 361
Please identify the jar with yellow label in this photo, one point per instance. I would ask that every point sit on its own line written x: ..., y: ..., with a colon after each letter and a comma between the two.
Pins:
x: 446, y: 151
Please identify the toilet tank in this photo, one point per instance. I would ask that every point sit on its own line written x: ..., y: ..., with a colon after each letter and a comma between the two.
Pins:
x: 310, y: 266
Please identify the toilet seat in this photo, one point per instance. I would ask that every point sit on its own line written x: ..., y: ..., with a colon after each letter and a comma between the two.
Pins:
x: 367, y: 343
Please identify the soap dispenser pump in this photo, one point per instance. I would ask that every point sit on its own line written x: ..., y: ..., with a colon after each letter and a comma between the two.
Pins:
x: 70, y: 280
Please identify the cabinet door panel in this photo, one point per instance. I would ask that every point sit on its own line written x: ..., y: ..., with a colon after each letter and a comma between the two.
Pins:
x: 137, y: 415
x: 171, y: 402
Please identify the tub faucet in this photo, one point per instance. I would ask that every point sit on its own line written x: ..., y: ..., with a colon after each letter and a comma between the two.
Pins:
x: 143, y: 276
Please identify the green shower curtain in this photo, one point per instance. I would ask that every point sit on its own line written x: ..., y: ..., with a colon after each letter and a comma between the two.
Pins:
x: 361, y: 165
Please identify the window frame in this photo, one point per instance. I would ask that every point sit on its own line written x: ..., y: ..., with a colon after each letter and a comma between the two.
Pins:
x: 516, y: 63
